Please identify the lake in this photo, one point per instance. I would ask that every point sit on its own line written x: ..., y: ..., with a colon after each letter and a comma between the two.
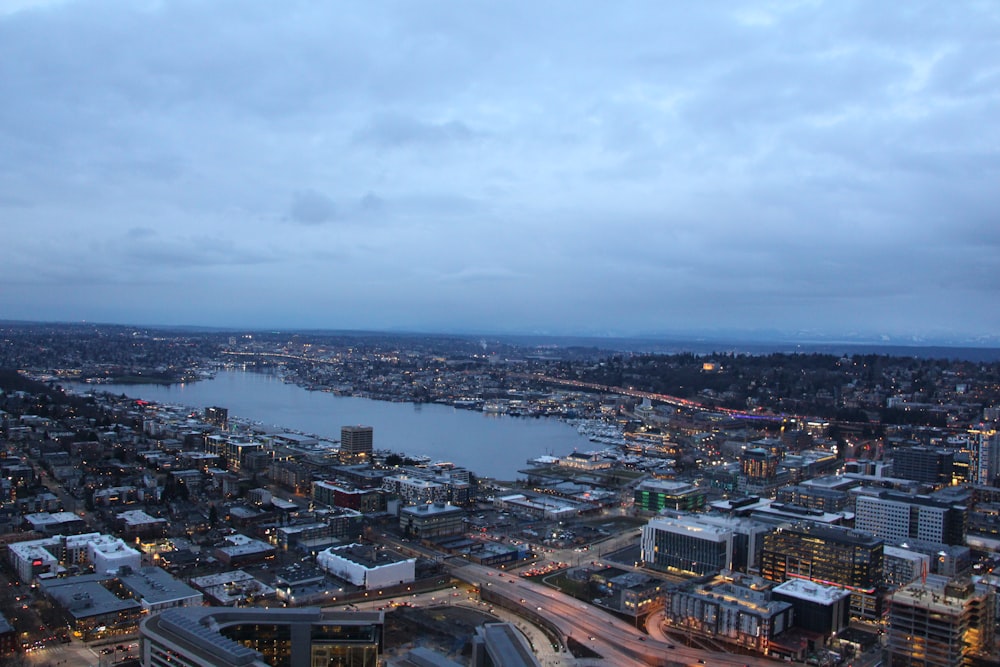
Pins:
x: 489, y: 445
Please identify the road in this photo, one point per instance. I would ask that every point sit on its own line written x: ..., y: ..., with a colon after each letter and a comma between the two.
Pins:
x: 616, y: 641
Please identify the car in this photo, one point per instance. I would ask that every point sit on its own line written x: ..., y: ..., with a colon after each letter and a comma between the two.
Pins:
x: 671, y: 646
x: 642, y: 639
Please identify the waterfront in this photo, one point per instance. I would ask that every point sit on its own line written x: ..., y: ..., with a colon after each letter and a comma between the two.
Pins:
x: 489, y: 445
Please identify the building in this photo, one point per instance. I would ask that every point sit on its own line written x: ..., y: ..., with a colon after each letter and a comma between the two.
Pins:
x: 225, y: 637
x: 157, y: 591
x: 832, y: 555
x: 366, y: 501
x: 328, y: 529
x: 356, y: 443
x: 700, y: 544
x: 736, y: 610
x: 817, y: 607
x: 367, y: 566
x: 501, y: 645
x: 137, y: 523
x: 415, y: 490
x: 91, y: 609
x: 9, y: 643
x: 217, y: 416
x: 759, y: 473
x: 58, y: 523
x: 923, y: 464
x: 902, y: 566
x: 987, y: 455
x: 941, y: 622
x: 242, y: 550
x: 52, y: 556
x: 814, y: 497
x: 654, y: 495
x: 897, y: 517
x: 431, y: 520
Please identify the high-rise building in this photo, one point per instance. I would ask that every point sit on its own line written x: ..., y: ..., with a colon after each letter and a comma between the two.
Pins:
x: 851, y: 559
x: 217, y: 416
x: 897, y: 517
x: 986, y: 447
x: 923, y: 464
x: 356, y: 444
x: 939, y: 622
x: 250, y: 637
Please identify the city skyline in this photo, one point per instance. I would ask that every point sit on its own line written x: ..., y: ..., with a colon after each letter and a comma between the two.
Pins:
x: 821, y: 168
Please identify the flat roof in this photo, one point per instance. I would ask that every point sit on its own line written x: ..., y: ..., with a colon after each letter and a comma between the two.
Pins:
x: 812, y: 592
x: 155, y: 586
x: 86, y: 598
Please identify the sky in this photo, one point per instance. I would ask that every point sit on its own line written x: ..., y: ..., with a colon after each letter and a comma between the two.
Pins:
x: 598, y: 168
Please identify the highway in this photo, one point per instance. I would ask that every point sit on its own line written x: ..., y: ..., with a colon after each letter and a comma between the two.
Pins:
x: 616, y: 641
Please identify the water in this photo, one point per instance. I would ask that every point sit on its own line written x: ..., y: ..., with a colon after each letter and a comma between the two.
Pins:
x: 489, y: 445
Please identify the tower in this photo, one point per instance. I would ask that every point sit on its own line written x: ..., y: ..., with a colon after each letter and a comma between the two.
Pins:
x: 356, y: 444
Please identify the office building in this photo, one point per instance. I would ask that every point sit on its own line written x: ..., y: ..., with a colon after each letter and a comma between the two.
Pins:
x: 942, y: 623
x: 832, y: 555
x: 356, y: 444
x: 898, y: 517
x: 814, y: 497
x: 817, y: 607
x: 700, y: 544
x: 431, y: 520
x: 759, y: 472
x: 923, y: 464
x: 654, y: 495
x: 249, y: 637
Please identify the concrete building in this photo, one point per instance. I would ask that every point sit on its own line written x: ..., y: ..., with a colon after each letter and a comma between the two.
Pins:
x: 225, y: 637
x: 367, y: 566
x: 898, y: 517
x: 110, y: 554
x: 903, y: 566
x: 941, y: 623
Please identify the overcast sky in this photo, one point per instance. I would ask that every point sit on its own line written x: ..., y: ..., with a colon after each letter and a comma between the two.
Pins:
x: 558, y: 167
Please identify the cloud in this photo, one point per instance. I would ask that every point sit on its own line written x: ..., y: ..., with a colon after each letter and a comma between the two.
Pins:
x: 826, y: 161
x: 312, y: 208
x: 396, y: 131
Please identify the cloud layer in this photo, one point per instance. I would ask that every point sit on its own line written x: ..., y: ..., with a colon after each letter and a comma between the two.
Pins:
x: 594, y: 168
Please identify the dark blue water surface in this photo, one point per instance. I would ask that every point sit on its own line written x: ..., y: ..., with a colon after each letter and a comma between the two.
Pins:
x: 489, y: 445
